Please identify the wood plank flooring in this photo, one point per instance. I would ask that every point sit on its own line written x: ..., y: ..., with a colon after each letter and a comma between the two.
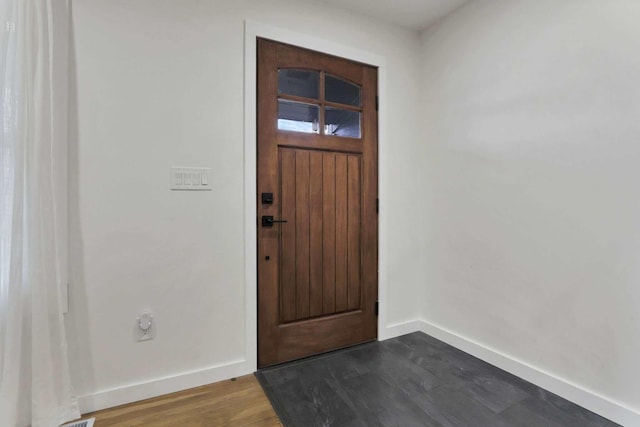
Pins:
x: 227, y: 403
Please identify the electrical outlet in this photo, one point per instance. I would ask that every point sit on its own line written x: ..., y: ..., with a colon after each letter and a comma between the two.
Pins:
x: 145, y: 327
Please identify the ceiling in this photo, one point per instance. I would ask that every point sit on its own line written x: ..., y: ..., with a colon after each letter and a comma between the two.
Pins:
x: 412, y: 14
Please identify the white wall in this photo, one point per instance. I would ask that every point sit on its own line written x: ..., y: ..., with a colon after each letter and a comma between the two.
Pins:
x: 532, y: 151
x: 160, y: 83
x: 511, y: 179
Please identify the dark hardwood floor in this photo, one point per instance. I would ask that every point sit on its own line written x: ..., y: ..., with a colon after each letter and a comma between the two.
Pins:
x: 413, y: 380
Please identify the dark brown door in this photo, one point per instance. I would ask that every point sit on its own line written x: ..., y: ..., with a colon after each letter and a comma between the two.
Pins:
x: 318, y: 171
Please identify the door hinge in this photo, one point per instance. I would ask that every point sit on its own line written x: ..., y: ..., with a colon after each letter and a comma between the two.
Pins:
x: 376, y: 309
x: 377, y: 205
x: 377, y: 102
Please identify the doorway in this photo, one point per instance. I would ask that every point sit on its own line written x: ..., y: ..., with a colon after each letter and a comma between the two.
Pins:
x: 317, y: 187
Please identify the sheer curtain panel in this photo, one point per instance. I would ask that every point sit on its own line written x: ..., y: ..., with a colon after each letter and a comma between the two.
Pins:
x: 35, y: 388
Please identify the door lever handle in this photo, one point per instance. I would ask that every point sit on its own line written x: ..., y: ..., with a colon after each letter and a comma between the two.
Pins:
x: 268, y: 221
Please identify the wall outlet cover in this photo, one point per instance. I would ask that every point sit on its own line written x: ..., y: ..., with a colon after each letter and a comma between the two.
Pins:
x: 145, y: 327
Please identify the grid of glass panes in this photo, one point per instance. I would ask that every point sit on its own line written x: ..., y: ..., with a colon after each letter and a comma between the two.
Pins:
x: 304, y: 107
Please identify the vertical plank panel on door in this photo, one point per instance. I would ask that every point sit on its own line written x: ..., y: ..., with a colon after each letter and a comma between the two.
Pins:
x: 315, y: 233
x: 329, y: 233
x: 341, y: 232
x: 302, y: 234
x: 353, y: 226
x: 288, y: 236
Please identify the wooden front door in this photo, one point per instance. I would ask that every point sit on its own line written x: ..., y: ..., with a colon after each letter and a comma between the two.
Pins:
x: 317, y: 196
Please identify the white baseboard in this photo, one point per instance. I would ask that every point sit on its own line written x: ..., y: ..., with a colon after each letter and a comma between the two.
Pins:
x: 398, y: 329
x: 590, y: 400
x: 145, y: 390
x: 171, y: 384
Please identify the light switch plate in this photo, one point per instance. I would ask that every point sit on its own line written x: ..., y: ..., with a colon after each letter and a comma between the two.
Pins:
x: 190, y: 178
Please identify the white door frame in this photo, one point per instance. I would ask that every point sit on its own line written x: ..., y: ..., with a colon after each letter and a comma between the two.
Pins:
x: 253, y: 30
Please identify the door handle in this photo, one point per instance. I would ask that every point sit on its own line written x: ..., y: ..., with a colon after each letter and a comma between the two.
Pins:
x: 268, y: 221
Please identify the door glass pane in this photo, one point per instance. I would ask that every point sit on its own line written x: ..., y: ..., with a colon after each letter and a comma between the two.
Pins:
x: 304, y: 83
x: 297, y: 116
x: 342, y: 122
x: 341, y: 91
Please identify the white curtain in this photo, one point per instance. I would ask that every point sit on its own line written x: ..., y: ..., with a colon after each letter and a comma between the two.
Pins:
x: 35, y: 388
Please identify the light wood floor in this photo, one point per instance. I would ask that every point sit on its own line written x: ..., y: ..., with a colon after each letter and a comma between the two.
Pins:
x: 227, y: 403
